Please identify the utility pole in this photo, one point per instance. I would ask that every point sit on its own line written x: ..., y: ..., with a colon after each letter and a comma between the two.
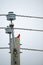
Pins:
x: 14, y: 41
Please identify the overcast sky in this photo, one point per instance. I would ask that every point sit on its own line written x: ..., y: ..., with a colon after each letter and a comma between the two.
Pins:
x: 28, y: 39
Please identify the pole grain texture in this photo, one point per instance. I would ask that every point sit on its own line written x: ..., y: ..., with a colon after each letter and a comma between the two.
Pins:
x: 15, y: 59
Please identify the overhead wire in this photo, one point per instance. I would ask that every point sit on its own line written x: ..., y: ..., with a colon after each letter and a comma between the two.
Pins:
x: 29, y: 16
x: 26, y: 16
x: 29, y: 29
x: 2, y: 27
x: 3, y: 14
x: 23, y: 49
x: 24, y: 29
x: 4, y: 48
x: 31, y: 49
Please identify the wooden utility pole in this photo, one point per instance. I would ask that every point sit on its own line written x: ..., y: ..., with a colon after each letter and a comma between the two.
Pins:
x: 14, y: 41
x: 15, y: 53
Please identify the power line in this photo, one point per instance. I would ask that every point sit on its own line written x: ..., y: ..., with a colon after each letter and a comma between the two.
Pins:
x: 4, y: 48
x: 24, y: 29
x: 30, y: 16
x: 23, y: 49
x: 3, y: 14
x: 2, y: 27
x: 29, y: 29
x: 31, y: 49
x: 24, y: 16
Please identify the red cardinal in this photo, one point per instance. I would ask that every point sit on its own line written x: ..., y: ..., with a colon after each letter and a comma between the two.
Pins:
x: 18, y: 36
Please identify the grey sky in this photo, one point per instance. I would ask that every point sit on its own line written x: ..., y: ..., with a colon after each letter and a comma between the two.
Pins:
x: 28, y: 39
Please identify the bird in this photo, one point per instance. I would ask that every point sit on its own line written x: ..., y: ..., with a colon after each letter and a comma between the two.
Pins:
x: 18, y: 36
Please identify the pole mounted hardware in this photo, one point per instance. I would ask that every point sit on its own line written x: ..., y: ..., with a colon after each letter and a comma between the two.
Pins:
x: 14, y: 42
x: 11, y: 16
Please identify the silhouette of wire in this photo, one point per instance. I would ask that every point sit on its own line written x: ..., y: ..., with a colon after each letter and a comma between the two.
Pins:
x: 30, y: 16
x: 24, y: 16
x: 24, y: 29
x: 31, y: 49
x: 29, y: 29
x: 4, y: 48
x: 23, y: 49
x: 3, y: 14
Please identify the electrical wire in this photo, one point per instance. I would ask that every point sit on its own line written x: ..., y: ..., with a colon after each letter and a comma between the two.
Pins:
x: 31, y: 49
x: 4, y: 48
x: 2, y: 27
x: 24, y: 16
x: 29, y: 16
x: 23, y: 49
x: 3, y: 14
x: 29, y: 29
x: 24, y: 29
